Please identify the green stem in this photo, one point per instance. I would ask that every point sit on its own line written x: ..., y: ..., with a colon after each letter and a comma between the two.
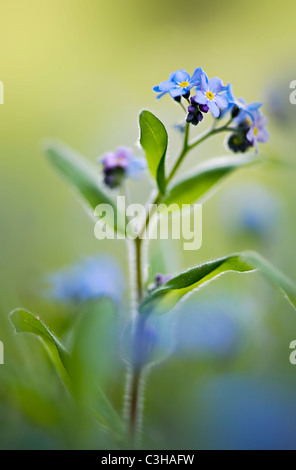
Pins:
x: 133, y: 394
x: 135, y: 405
x: 138, y: 243
x: 183, y: 153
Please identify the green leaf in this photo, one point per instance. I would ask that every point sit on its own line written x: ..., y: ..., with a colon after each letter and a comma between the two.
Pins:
x: 197, y: 187
x: 165, y: 297
x: 26, y: 322
x: 154, y: 140
x: 83, y: 176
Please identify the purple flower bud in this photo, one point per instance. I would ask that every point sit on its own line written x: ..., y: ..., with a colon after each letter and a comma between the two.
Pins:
x: 160, y: 279
x: 191, y: 109
x: 204, y: 108
x: 121, y: 164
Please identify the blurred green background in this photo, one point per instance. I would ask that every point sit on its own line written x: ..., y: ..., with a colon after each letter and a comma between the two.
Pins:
x: 81, y: 71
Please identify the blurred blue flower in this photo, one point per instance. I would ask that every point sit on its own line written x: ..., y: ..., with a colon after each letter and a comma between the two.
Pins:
x: 92, y: 277
x: 203, y: 330
x: 254, y: 210
x: 278, y: 103
x: 245, y: 111
x: 121, y: 164
x: 152, y: 344
x: 244, y: 413
x: 179, y: 83
x: 258, y: 131
x: 209, y: 94
x: 227, y: 93
x: 207, y: 329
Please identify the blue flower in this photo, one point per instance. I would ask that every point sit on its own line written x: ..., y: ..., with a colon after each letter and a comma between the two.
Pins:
x: 227, y: 93
x: 213, y: 332
x: 121, y: 164
x: 91, y: 278
x: 179, y: 83
x: 209, y: 94
x: 258, y: 131
x: 244, y: 111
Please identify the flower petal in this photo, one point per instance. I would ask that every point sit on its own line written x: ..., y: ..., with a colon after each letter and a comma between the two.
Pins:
x: 179, y: 76
x: 263, y: 135
x: 254, y: 106
x: 229, y: 94
x: 204, y: 82
x: 262, y: 121
x: 166, y: 85
x: 221, y: 101
x: 136, y: 168
x: 250, y: 134
x: 200, y: 97
x: 177, y: 91
x: 196, y: 76
x: 161, y: 95
x: 215, y: 85
x: 213, y: 108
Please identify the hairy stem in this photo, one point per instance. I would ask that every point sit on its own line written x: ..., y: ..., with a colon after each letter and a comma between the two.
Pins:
x: 134, y: 405
x: 135, y: 378
x: 133, y: 408
x: 139, y: 273
x: 182, y: 154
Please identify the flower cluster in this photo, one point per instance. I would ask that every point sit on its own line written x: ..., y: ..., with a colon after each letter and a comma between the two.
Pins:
x: 121, y: 164
x: 203, y: 95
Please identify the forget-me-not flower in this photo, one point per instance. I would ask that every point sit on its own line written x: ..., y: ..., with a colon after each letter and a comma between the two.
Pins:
x: 258, y: 132
x: 121, y: 164
x: 244, y: 111
x: 179, y: 83
x: 209, y: 94
x: 93, y: 277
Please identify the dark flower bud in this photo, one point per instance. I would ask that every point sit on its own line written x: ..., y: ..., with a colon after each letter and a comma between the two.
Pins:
x: 160, y: 279
x: 190, y: 118
x: 238, y: 141
x: 191, y: 109
x: 204, y: 108
x: 235, y: 111
x: 113, y: 176
x: 194, y: 115
x: 245, y: 125
x: 194, y: 118
x: 178, y: 99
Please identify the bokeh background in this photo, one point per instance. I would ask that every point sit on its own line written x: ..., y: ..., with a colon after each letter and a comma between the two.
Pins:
x: 81, y: 71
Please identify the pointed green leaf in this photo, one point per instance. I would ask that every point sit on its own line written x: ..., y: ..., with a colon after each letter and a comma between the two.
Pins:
x: 196, y: 187
x: 83, y: 176
x: 26, y: 322
x: 154, y: 140
x: 165, y: 297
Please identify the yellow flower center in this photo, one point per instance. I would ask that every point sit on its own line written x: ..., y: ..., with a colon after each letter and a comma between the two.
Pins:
x: 184, y: 84
x: 255, y: 131
x: 210, y: 95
